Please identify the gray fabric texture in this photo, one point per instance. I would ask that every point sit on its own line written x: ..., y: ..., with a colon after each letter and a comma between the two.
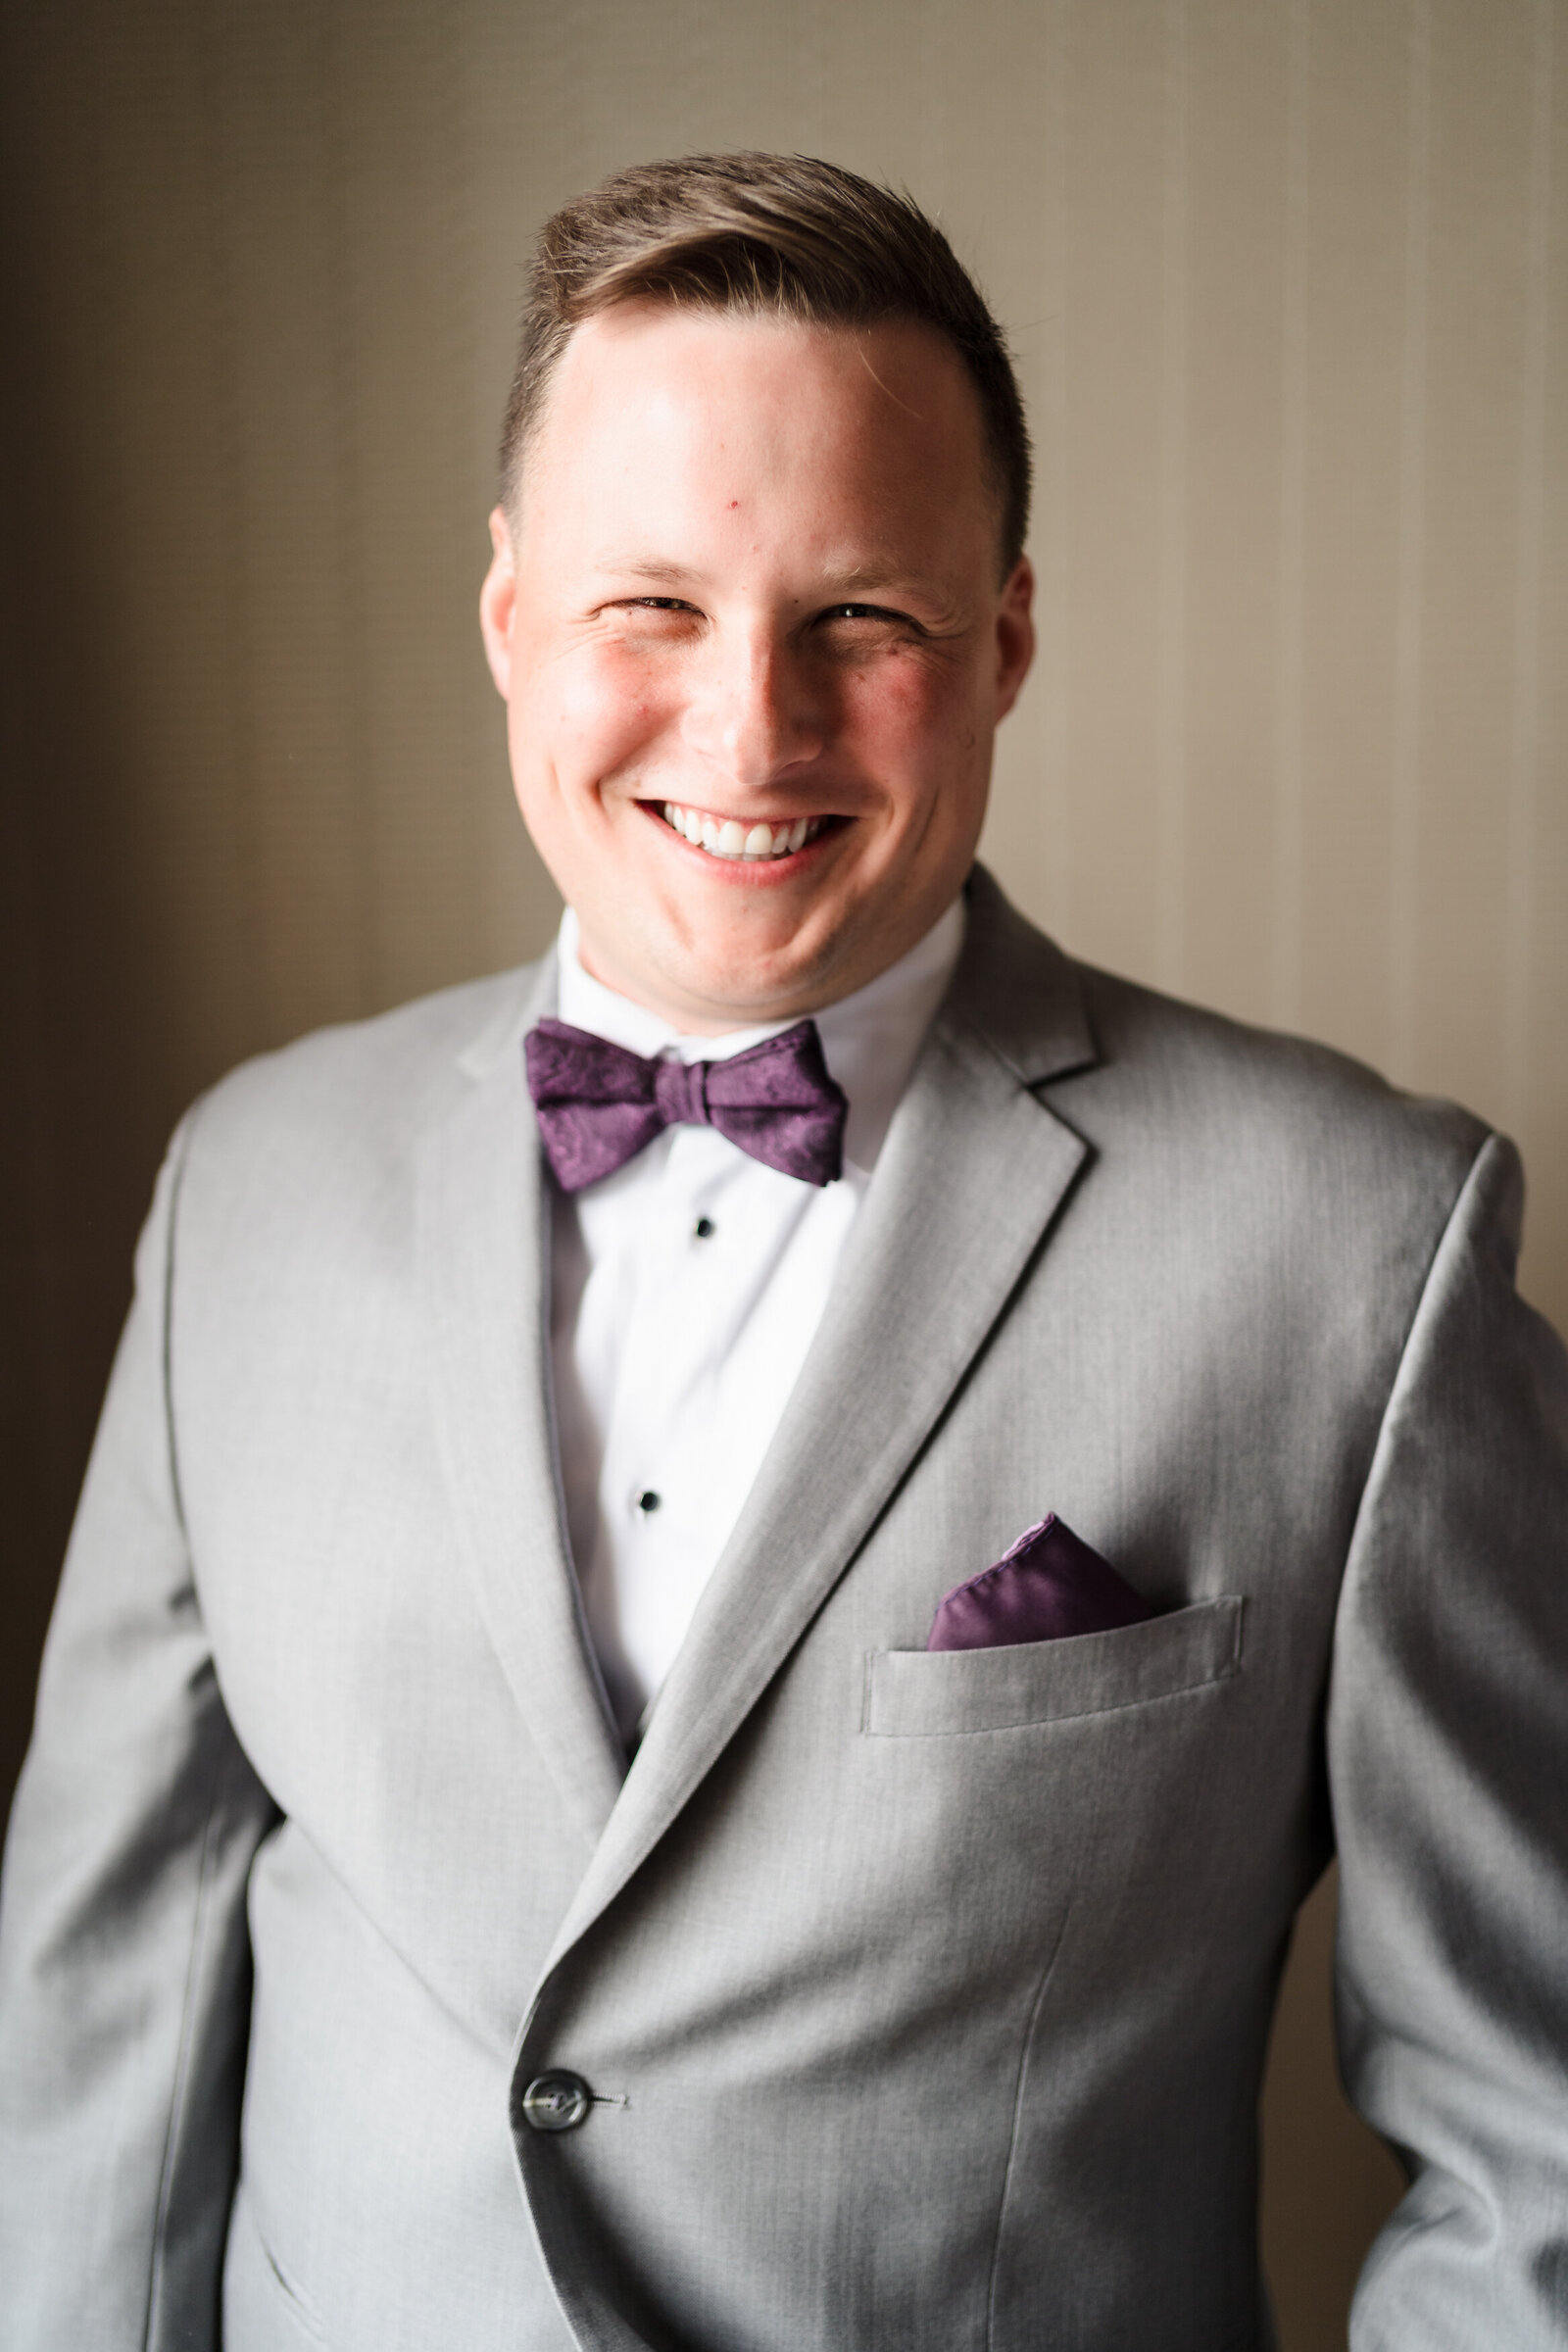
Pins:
x: 925, y: 1995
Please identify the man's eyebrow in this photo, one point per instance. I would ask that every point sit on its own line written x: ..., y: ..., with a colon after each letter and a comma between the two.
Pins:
x: 638, y: 566
x: 871, y: 577
x: 853, y: 578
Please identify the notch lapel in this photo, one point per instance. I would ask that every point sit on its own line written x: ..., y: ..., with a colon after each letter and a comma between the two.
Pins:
x: 971, y: 1176
x: 482, y: 1251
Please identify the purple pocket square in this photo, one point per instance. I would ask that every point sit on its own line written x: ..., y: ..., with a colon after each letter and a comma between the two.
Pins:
x: 1048, y: 1585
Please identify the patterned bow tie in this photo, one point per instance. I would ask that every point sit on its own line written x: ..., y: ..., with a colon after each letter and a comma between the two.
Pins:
x: 599, y: 1104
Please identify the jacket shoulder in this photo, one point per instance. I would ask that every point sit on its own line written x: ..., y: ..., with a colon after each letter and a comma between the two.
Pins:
x: 1212, y: 1118
x: 1283, y: 1150
x: 1216, y: 1068
x: 366, y: 1087
x: 1099, y: 1036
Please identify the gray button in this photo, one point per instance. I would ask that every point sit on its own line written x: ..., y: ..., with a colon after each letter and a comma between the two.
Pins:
x: 557, y: 2102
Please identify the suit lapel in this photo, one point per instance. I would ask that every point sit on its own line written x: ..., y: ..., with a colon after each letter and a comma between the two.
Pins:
x: 973, y: 1170
x: 482, y: 1246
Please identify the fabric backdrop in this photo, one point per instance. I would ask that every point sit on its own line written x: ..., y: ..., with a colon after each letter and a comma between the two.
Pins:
x: 1287, y: 283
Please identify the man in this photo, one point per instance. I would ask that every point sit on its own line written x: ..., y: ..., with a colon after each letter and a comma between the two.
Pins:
x: 555, y: 1818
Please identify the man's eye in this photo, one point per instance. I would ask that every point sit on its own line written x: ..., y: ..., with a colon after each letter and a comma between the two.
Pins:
x: 656, y: 604
x: 872, y: 612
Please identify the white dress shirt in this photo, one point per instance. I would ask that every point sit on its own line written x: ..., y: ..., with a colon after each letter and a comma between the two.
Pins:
x: 686, y: 1291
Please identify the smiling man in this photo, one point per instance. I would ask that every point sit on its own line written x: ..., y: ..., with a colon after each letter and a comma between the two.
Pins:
x: 731, y: 1587
x: 755, y: 623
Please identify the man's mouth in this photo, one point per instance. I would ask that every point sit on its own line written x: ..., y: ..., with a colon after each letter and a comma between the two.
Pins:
x: 728, y: 837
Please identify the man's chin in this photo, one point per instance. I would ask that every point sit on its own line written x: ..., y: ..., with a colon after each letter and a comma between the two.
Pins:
x: 712, y: 1000
x: 734, y: 983
x: 712, y: 958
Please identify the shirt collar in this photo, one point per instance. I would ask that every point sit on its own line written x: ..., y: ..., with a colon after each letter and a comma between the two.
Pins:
x: 869, y: 1040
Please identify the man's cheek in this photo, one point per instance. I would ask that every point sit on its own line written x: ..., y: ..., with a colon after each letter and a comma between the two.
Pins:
x: 596, y: 710
x: 903, y: 707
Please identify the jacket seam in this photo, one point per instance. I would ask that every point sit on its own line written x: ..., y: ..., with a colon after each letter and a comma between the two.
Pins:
x: 1374, y: 1457
x: 297, y: 2309
x: 182, y: 2065
x: 1035, y: 2007
x: 200, y: 1922
x: 183, y: 1142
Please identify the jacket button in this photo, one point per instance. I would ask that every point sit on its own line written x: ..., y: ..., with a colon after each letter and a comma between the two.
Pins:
x: 557, y: 2102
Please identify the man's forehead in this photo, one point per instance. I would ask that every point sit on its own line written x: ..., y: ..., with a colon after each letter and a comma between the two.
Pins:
x: 681, y: 359
x: 878, y: 406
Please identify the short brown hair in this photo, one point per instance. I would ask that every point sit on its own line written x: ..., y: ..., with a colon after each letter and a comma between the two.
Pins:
x: 779, y: 234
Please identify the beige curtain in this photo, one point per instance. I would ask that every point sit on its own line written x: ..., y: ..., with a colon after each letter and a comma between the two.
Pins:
x: 1287, y: 279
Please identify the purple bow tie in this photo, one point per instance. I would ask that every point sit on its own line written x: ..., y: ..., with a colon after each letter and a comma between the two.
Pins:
x: 599, y: 1105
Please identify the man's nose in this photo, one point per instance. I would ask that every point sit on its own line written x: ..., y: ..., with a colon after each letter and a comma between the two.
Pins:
x: 756, y: 711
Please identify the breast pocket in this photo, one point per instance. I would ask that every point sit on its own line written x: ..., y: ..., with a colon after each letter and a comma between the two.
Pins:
x: 918, y: 1694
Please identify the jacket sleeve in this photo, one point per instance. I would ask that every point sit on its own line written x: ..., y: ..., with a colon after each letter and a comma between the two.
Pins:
x: 124, y: 1969
x: 1448, y: 1744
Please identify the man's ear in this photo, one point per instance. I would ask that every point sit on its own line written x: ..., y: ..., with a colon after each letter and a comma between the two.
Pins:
x: 1015, y: 634
x: 497, y: 598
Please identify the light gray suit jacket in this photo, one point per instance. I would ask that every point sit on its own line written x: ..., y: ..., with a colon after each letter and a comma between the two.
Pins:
x: 924, y: 1996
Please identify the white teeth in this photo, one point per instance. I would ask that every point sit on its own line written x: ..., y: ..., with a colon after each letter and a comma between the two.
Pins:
x: 726, y: 837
